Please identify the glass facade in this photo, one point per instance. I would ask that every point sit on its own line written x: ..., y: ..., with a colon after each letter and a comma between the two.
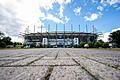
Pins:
x: 60, y: 41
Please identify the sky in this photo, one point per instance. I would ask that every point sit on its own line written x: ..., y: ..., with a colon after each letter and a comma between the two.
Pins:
x: 17, y: 15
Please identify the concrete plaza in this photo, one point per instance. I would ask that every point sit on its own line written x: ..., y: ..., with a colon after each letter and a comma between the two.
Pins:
x: 59, y: 64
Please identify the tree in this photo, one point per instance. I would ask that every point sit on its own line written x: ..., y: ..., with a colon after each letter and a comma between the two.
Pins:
x: 1, y: 35
x: 7, y: 40
x: 114, y: 37
x: 2, y: 45
x: 100, y: 41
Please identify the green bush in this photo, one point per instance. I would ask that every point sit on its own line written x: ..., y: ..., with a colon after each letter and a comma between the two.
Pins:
x: 32, y: 45
x: 97, y: 44
x: 90, y: 44
x: 81, y: 45
x: 50, y: 46
x: 75, y: 46
x: 19, y: 46
x: 2, y: 45
x: 105, y: 45
x: 24, y: 44
x: 40, y: 44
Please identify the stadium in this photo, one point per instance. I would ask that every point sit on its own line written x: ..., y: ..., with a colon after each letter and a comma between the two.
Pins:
x: 59, y: 39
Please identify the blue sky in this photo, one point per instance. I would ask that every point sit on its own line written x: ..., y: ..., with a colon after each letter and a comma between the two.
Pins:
x: 17, y: 15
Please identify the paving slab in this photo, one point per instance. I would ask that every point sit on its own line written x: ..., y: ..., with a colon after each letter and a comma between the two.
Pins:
x: 54, y: 62
x: 23, y: 73
x: 59, y: 64
x: 24, y: 61
x: 70, y: 73
x: 100, y: 71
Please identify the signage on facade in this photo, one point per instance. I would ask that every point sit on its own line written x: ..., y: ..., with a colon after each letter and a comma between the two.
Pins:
x: 76, y: 41
x: 44, y: 42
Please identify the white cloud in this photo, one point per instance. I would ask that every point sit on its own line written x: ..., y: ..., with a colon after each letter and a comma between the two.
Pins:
x: 106, y: 35
x: 62, y: 3
x: 100, y: 8
x: 115, y: 6
x: 51, y: 17
x: 118, y: 8
x: 15, y: 15
x: 94, y: 1
x: 61, y: 11
x: 91, y: 18
x: 45, y: 4
x: 68, y: 1
x: 110, y: 2
x: 17, y: 39
x: 67, y: 19
x: 115, y: 29
x: 77, y: 10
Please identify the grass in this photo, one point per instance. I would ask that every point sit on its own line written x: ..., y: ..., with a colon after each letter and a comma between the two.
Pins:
x: 86, y: 70
x: 90, y: 73
x: 17, y: 48
x: 56, y: 56
x: 85, y: 56
x: 68, y: 54
x: 118, y: 68
x: 112, y: 49
x: 35, y: 60
x: 111, y: 65
x: 49, y: 73
x: 110, y: 59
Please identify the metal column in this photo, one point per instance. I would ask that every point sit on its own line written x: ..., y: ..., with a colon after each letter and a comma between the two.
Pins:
x: 72, y: 34
x: 48, y: 34
x: 56, y: 35
x: 64, y: 35
x: 79, y: 34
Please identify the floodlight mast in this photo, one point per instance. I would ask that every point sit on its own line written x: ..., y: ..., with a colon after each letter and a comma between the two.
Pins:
x: 72, y: 33
x: 79, y: 33
x: 56, y: 35
x: 64, y: 35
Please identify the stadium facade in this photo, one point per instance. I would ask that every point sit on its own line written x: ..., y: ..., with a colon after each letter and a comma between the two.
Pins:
x: 59, y: 39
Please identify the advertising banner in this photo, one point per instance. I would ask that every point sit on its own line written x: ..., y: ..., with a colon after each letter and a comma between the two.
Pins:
x: 76, y: 41
x: 44, y: 41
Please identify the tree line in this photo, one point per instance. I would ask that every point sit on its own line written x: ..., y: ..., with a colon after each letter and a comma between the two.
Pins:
x: 114, y: 38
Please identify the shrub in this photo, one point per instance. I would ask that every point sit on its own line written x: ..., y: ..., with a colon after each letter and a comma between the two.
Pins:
x: 2, y: 45
x: 32, y: 45
x: 50, y: 46
x: 19, y: 46
x: 75, y: 46
x: 24, y: 44
x: 96, y: 44
x: 81, y: 44
x: 40, y: 44
x: 90, y: 44
x: 105, y: 45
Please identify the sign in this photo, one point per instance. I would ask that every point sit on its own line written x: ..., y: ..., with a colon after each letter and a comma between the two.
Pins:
x: 75, y: 41
x: 68, y: 41
x: 44, y: 42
